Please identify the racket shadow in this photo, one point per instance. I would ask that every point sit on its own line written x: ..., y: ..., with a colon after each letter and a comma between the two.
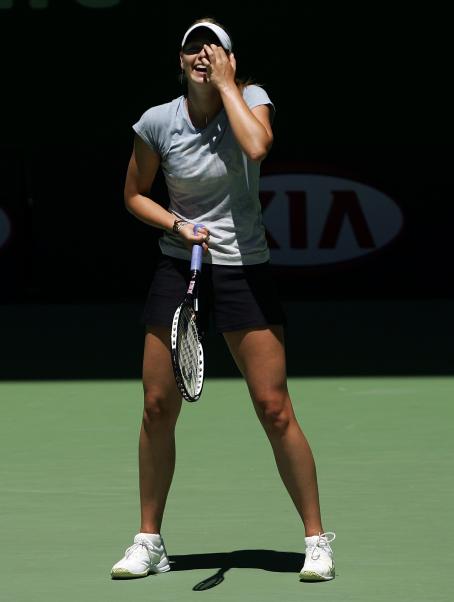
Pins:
x: 266, y: 560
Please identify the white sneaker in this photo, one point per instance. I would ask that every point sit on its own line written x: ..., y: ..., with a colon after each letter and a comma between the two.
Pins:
x: 319, y: 562
x: 146, y: 555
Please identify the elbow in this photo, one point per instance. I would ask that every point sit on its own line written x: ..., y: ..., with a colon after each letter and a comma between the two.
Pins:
x: 258, y: 153
x: 257, y: 156
x: 130, y: 194
x: 128, y: 201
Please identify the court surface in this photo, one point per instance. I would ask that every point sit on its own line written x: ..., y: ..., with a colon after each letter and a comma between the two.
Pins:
x: 69, y: 495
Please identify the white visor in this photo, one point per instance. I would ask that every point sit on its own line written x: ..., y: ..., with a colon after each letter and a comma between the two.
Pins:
x: 221, y: 34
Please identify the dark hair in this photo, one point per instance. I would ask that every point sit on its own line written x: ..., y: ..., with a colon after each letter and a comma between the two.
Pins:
x: 241, y: 82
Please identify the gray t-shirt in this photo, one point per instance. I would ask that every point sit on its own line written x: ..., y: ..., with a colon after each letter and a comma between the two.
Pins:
x: 210, y: 180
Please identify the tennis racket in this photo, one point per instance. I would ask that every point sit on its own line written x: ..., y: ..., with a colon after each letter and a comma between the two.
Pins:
x: 187, y: 350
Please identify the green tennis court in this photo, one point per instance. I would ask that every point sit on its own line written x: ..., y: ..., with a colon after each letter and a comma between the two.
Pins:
x: 69, y: 492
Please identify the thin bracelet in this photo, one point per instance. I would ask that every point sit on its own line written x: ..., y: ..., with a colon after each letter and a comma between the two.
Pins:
x: 178, y: 224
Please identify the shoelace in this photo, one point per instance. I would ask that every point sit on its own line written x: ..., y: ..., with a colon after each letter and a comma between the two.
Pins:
x: 136, y: 546
x: 323, y: 541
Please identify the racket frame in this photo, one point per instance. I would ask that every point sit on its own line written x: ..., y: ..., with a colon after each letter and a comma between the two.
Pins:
x: 191, y: 301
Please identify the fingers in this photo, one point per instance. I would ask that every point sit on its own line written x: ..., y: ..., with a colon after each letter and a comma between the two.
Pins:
x: 221, y: 66
x: 214, y: 53
x: 209, y: 49
x: 202, y: 237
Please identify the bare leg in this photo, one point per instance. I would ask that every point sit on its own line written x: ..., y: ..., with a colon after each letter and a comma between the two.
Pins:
x: 162, y: 404
x: 260, y: 356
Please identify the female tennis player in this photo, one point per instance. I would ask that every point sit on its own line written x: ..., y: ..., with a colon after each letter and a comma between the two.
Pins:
x: 209, y: 143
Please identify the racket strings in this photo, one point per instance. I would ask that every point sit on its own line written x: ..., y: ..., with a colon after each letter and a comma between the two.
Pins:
x: 188, y: 350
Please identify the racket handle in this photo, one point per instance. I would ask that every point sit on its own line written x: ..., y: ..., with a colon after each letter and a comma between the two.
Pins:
x: 196, y: 257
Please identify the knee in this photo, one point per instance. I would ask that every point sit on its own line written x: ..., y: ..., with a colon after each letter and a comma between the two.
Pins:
x: 274, y: 411
x: 158, y: 412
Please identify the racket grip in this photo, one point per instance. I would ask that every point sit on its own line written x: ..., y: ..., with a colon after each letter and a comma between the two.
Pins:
x: 196, y: 257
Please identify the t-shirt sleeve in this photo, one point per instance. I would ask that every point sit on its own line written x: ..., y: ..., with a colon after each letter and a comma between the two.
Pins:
x: 147, y: 128
x: 256, y: 95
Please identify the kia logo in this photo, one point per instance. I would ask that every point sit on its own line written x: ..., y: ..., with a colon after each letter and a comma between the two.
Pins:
x: 316, y: 219
x: 5, y: 228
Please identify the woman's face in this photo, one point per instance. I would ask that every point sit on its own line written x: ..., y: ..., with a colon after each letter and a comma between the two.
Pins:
x: 192, y: 53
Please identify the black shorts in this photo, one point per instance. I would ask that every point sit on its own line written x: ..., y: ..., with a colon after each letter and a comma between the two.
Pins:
x: 235, y: 297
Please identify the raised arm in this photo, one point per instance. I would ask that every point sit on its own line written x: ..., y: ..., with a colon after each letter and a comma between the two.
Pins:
x: 251, y: 128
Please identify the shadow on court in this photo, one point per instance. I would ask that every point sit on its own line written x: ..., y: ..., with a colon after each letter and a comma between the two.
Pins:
x: 266, y: 560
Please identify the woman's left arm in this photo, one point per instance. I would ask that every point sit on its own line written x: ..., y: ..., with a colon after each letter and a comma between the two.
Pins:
x: 251, y: 127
